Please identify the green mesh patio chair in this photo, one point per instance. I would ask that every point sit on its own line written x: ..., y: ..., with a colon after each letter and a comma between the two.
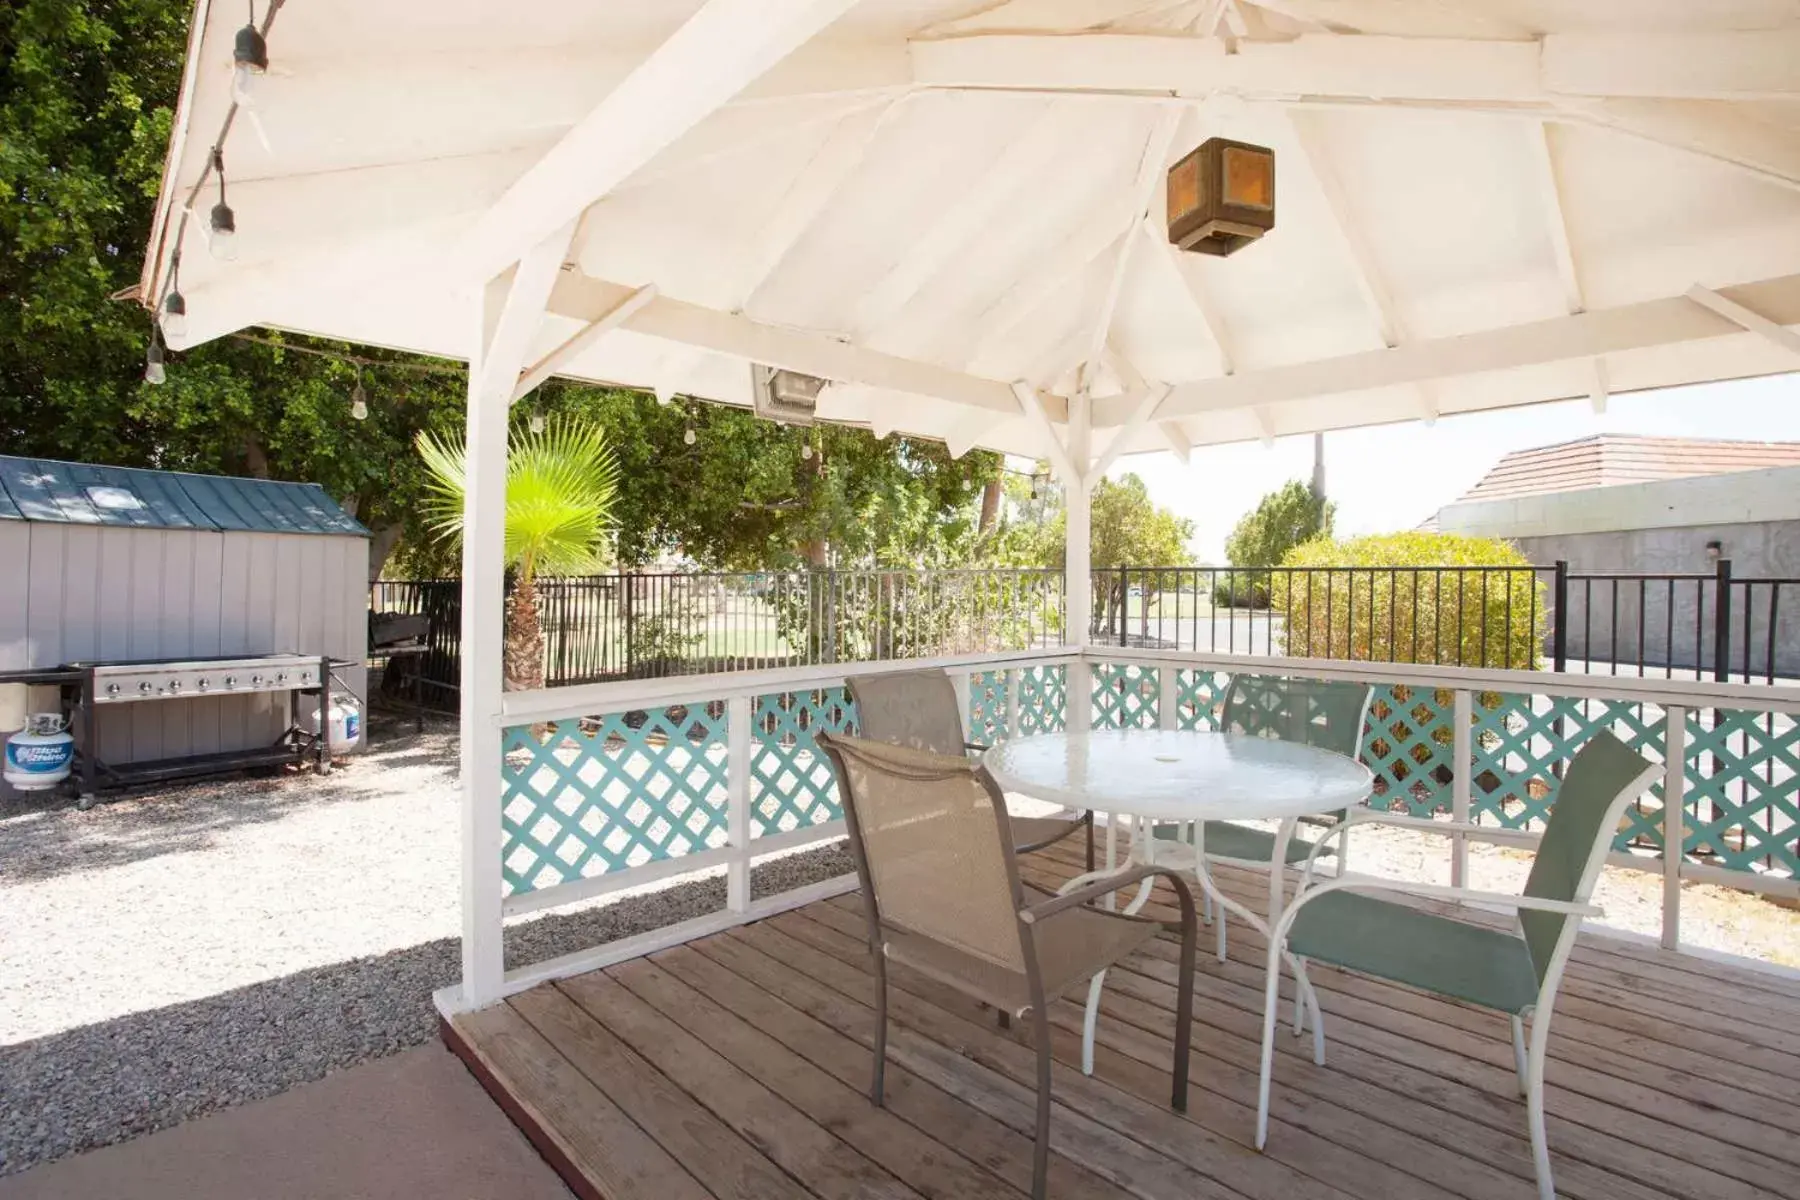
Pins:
x: 941, y: 892
x: 1515, y: 972
x: 920, y: 709
x: 1328, y: 714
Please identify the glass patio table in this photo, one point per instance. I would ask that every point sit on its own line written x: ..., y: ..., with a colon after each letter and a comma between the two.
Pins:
x: 1160, y: 775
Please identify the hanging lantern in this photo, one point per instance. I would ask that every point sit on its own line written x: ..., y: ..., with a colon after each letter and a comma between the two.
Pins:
x: 1221, y: 197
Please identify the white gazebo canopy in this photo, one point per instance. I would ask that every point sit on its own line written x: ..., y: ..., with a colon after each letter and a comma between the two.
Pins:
x: 1480, y: 203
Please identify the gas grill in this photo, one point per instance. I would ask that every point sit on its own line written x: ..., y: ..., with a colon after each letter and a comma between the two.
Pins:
x: 124, y: 682
x: 91, y: 687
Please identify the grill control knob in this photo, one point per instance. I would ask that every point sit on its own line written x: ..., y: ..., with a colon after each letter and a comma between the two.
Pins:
x: 144, y: 688
x: 203, y: 683
x: 281, y: 677
x: 112, y: 689
x: 255, y: 680
x: 231, y: 681
x: 174, y: 686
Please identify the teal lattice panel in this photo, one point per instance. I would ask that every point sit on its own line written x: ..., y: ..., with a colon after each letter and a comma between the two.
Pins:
x: 1522, y: 744
x: 1408, y: 745
x: 1043, y: 699
x: 1199, y: 695
x: 1126, y: 696
x: 792, y: 785
x: 987, y: 707
x: 1742, y: 771
x: 597, y: 797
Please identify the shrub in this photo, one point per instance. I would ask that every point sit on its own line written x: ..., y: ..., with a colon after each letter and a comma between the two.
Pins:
x: 1378, y: 608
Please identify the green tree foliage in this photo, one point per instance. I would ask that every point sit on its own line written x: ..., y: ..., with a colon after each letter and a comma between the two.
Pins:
x: 1281, y: 520
x: 1492, y: 618
x: 86, y: 95
x: 560, y: 486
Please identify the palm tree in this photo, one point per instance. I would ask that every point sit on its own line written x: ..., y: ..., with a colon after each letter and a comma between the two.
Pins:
x: 560, y: 487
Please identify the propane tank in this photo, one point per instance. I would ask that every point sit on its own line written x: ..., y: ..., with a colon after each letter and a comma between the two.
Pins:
x: 344, y: 715
x: 39, y: 756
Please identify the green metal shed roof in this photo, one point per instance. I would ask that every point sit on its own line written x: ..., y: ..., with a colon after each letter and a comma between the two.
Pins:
x: 37, y: 489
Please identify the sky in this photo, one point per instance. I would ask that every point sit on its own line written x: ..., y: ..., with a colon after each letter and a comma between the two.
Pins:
x: 1392, y: 477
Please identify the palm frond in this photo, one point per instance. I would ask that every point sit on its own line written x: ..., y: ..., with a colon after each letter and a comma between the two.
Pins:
x: 560, y: 490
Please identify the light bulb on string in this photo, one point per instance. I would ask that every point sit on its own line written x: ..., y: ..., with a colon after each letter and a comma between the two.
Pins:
x: 359, y: 399
x: 222, y: 223
x: 806, y: 451
x: 537, y: 421
x: 174, y: 314
x: 689, y: 437
x: 250, y: 58
x: 154, y: 373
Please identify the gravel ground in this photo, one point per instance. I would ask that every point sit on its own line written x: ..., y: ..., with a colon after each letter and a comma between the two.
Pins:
x: 171, y: 955
x: 167, y: 956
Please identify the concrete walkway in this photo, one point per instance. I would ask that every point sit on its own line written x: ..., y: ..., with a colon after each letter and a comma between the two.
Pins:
x: 413, y: 1125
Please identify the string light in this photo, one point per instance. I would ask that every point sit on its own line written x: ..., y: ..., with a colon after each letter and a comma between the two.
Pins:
x: 250, y: 59
x: 806, y: 451
x: 174, y: 305
x: 359, y: 399
x: 688, y: 436
x: 223, y: 222
x: 154, y: 373
x: 537, y: 421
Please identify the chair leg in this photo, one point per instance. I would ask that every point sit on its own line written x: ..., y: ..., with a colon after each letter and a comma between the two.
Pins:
x: 1089, y: 822
x: 1089, y: 1020
x: 877, y: 1088
x: 1306, y: 1000
x: 1184, y: 1000
x: 1534, y: 1104
x: 1040, y: 1155
x: 1518, y: 1039
x: 1219, y: 935
x: 1271, y: 1015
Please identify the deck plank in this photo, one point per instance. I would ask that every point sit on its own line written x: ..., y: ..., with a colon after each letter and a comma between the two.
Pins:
x: 612, y: 1154
x: 813, y: 1155
x: 736, y: 1066
x: 729, y: 1167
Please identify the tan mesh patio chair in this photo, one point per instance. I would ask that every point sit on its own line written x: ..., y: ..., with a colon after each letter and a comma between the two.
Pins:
x: 940, y: 884
x: 920, y: 709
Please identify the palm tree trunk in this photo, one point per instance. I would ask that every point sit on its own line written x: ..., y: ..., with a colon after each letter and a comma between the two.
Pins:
x: 523, y: 649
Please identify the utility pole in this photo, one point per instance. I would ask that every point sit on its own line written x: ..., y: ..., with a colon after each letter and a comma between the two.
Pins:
x: 1318, y: 475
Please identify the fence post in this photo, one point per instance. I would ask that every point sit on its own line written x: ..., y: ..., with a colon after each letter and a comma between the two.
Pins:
x: 962, y: 683
x: 828, y: 636
x: 1124, y: 606
x: 1722, y: 622
x: 1674, y: 821
x: 1559, y: 618
x: 1463, y: 752
x: 628, y: 602
x: 1014, y: 700
x: 738, y: 719
x: 1168, y: 698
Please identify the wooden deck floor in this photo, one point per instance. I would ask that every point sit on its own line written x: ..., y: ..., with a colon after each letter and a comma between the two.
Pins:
x: 736, y: 1066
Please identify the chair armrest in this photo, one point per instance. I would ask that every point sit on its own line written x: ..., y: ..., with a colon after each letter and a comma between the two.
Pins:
x: 1431, y: 891
x: 977, y: 746
x: 1032, y: 914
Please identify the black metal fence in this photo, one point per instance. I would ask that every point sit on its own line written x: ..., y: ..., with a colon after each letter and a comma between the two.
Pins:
x: 1710, y: 626
x: 646, y: 625
x: 642, y: 625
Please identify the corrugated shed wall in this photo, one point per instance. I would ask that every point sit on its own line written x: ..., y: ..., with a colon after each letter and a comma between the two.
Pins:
x: 71, y: 592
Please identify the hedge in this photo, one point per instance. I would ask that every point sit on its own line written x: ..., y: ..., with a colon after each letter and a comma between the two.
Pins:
x: 1379, y: 608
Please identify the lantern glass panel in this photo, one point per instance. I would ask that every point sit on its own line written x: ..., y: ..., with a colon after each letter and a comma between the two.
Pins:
x: 1184, y: 186
x: 1249, y: 178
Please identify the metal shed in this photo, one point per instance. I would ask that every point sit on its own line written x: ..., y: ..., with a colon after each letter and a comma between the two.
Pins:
x: 114, y: 563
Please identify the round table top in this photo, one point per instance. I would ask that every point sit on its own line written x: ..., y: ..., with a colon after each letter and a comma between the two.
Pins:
x: 1179, y: 775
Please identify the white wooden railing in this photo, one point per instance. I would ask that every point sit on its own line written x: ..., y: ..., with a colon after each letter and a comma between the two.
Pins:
x: 761, y: 711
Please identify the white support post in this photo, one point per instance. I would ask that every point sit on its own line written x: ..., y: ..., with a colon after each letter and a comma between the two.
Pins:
x: 1674, y: 824
x: 1168, y: 698
x: 1078, y: 583
x: 1461, y: 750
x: 738, y: 718
x: 962, y: 684
x: 510, y: 311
